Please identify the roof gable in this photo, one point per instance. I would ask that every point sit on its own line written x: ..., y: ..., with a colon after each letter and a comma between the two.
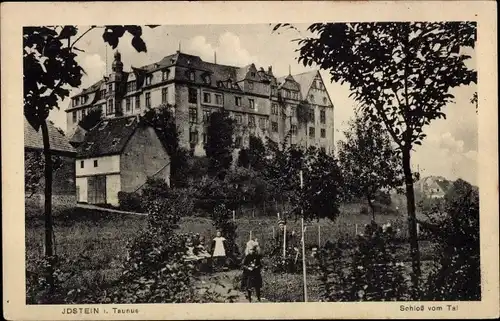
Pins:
x: 108, y: 137
x: 305, y: 81
x: 58, y: 141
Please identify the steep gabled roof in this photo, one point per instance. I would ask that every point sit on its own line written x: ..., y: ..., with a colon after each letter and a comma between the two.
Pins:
x: 305, y: 81
x: 109, y: 137
x: 58, y: 142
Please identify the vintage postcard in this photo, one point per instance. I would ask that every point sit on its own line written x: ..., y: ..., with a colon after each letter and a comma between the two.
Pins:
x: 189, y: 160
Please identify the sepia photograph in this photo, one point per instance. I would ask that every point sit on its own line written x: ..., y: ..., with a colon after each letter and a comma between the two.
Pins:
x: 314, y: 161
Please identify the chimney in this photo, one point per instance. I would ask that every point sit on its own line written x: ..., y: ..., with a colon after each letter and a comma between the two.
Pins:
x: 215, y: 57
x: 270, y: 70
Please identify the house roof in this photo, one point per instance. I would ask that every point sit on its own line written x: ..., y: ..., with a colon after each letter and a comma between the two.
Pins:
x: 305, y: 81
x: 58, y: 141
x: 108, y: 137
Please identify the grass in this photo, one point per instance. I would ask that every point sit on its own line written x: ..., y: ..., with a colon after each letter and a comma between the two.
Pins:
x: 102, y: 236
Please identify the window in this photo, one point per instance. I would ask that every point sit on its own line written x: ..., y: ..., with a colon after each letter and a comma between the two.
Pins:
x: 238, y: 118
x: 218, y: 99
x: 311, y: 98
x: 78, y: 100
x: 191, y: 75
x: 274, y: 126
x: 206, y: 79
x: 127, y: 104
x: 322, y: 116
x: 148, y: 100
x: 110, y: 88
x: 263, y: 123
x: 131, y: 86
x: 110, y: 107
x: 164, y: 74
x: 325, y: 101
x: 193, y: 96
x: 323, y: 133
x: 252, y: 103
x: 193, y: 137
x: 311, y: 132
x: 207, y: 98
x: 252, y: 74
x: 164, y: 95
x: 84, y: 99
x: 95, y: 163
x: 73, y: 114
x: 274, y: 109
x: 137, y: 102
x: 206, y: 115
x: 311, y: 115
x: 250, y: 85
x: 273, y: 90
x: 149, y: 79
x: 82, y: 164
x: 287, y: 94
x: 74, y: 102
x: 251, y: 120
x: 103, y: 93
x: 193, y: 115
x: 293, y: 129
x: 237, y: 101
x: 84, y: 112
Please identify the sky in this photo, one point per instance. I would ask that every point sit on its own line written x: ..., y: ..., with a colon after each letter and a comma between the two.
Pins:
x: 449, y: 150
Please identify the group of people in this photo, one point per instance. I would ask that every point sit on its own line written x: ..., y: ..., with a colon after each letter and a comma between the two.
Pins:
x: 251, y: 279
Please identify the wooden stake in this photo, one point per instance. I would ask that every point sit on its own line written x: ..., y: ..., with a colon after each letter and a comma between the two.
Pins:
x: 356, y: 229
x: 274, y: 233
x: 250, y: 235
x: 304, y: 260
x: 234, y: 216
x: 319, y: 236
x: 284, y: 241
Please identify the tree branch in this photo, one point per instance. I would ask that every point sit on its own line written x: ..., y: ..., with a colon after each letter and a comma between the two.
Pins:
x: 77, y: 39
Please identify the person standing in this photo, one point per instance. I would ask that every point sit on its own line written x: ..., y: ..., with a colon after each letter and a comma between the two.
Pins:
x: 252, y: 278
x: 219, y: 250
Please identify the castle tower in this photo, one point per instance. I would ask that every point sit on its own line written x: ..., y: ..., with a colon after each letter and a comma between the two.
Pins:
x: 115, y: 85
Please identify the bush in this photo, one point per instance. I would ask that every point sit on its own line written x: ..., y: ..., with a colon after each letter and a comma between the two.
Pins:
x: 373, y: 274
x: 457, y: 276
x: 130, y: 202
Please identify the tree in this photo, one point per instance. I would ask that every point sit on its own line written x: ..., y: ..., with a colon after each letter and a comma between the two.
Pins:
x: 49, y: 70
x: 163, y: 121
x: 455, y: 227
x: 401, y: 74
x: 243, y: 158
x: 256, y: 153
x: 219, y: 145
x: 367, y: 141
x: 93, y: 117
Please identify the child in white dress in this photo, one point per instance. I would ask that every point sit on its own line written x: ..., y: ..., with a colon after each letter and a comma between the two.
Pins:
x: 219, y: 250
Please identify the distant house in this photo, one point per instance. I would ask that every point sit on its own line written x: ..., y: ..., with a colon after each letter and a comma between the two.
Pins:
x: 63, y: 184
x: 116, y: 155
x: 434, y: 186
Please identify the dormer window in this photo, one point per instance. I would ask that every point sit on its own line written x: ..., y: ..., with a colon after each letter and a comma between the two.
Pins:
x: 206, y: 79
x: 89, y: 146
x: 252, y: 74
x: 115, y: 141
x: 149, y: 79
x: 191, y: 75
x: 164, y: 74
x: 311, y: 98
x: 325, y: 101
x: 250, y: 85
x: 110, y: 88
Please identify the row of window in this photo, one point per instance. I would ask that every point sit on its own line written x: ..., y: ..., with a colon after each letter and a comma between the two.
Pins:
x: 322, y: 113
x: 80, y: 100
x: 82, y: 163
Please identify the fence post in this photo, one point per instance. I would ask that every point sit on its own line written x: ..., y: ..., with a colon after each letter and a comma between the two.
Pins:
x: 319, y: 236
x: 356, y: 229
x: 250, y: 234
x: 234, y: 216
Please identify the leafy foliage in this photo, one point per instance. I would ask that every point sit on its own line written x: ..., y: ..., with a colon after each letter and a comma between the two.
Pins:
x: 400, y: 73
x: 219, y: 145
x: 92, y: 118
x: 374, y: 274
x: 34, y: 164
x: 455, y: 226
x: 130, y: 202
x: 367, y: 141
x: 303, y: 112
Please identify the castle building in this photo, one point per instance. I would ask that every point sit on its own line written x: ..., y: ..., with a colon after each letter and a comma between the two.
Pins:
x: 295, y: 109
